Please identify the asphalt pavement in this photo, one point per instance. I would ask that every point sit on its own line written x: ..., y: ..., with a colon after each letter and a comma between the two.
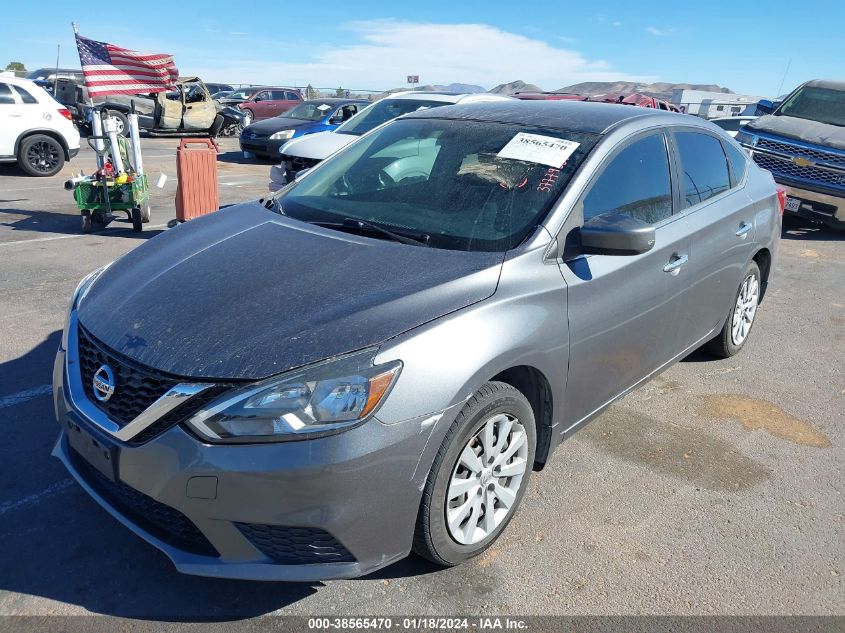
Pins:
x: 717, y: 488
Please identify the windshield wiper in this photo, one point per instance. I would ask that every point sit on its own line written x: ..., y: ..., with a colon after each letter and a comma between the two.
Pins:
x: 418, y: 239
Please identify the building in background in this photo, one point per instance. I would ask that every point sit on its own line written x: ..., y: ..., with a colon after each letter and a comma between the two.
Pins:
x: 713, y: 105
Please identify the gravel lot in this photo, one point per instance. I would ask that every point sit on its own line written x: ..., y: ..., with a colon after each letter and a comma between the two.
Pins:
x: 717, y: 488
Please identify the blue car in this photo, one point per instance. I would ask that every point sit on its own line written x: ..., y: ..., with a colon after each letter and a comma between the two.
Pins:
x: 264, y: 138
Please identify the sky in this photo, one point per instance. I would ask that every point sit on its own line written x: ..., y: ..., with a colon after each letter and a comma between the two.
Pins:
x: 374, y: 45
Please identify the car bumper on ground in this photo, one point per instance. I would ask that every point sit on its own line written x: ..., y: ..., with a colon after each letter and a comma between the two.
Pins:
x: 334, y: 507
x: 814, y: 205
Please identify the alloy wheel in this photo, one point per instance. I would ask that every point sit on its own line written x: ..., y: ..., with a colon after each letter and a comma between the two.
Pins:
x: 745, y: 309
x: 483, y: 488
x: 43, y: 156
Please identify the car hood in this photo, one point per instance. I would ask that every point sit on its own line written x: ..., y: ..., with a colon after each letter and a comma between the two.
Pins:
x: 277, y: 124
x: 800, y: 129
x: 245, y: 293
x: 317, y: 146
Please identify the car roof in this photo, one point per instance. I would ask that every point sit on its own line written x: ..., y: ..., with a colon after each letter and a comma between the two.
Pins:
x: 335, y: 100
x: 21, y: 81
x: 583, y: 116
x: 447, y: 97
x: 827, y: 83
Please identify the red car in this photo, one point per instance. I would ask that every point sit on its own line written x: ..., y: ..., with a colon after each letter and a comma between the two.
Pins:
x: 637, y: 99
x: 549, y: 96
x: 267, y: 102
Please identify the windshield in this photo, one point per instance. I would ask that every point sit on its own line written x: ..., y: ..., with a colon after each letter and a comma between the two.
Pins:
x: 816, y: 104
x: 239, y: 94
x: 382, y: 111
x: 458, y: 185
x: 309, y: 111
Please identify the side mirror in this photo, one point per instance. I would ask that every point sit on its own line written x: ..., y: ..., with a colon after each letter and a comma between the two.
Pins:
x: 257, y: 99
x: 301, y: 173
x: 336, y: 120
x: 616, y: 234
x: 766, y: 106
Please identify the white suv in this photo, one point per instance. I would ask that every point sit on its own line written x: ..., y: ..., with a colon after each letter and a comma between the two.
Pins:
x: 306, y: 151
x: 36, y: 131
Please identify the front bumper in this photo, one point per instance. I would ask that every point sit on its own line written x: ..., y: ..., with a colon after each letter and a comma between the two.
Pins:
x: 262, y: 146
x: 351, y: 497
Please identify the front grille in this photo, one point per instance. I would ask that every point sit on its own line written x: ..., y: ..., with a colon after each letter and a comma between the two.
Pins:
x: 295, y: 545
x: 179, y: 414
x: 798, y: 150
x: 136, y: 388
x: 785, y: 167
x: 256, y: 147
x: 165, y: 523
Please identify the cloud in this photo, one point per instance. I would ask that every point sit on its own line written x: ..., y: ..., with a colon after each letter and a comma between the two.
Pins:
x: 238, y: 33
x: 662, y: 32
x: 617, y: 23
x: 384, y: 52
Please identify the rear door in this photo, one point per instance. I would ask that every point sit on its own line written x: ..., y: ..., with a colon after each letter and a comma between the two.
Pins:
x: 720, y: 215
x: 624, y: 310
x: 11, y: 124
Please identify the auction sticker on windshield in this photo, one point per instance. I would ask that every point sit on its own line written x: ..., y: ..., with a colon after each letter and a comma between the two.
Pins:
x: 536, y: 148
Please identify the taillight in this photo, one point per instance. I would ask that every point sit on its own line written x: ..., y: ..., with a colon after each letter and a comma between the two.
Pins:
x: 65, y: 113
x: 782, y: 199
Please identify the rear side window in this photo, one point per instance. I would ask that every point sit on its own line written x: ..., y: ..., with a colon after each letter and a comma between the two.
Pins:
x: 26, y: 97
x: 636, y: 182
x: 6, y: 96
x: 291, y: 96
x: 738, y: 162
x: 705, y: 167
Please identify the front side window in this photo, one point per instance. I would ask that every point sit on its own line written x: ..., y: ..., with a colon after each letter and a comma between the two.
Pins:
x: 636, y: 182
x: 442, y: 181
x: 704, y: 165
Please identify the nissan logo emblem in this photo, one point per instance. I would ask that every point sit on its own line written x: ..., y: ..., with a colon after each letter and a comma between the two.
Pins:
x: 103, y: 383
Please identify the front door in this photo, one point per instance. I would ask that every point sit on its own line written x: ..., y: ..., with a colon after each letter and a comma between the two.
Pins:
x: 623, y: 310
x: 199, y: 107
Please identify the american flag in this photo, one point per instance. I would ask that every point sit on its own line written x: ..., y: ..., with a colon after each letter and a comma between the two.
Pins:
x: 112, y: 70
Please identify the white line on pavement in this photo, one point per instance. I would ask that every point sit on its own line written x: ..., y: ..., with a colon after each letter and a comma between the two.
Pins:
x: 22, y: 396
x: 37, y: 497
x: 67, y: 237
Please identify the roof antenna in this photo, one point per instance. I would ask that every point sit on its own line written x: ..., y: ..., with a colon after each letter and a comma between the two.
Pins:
x: 788, y: 64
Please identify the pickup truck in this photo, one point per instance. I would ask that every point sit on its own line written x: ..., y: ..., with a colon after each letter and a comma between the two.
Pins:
x: 802, y: 143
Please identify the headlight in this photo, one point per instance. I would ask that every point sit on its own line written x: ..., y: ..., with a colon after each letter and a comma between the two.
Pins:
x: 746, y: 138
x: 78, y: 295
x: 321, y: 399
x: 281, y: 136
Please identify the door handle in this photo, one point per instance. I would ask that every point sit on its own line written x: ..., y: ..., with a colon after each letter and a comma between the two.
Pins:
x: 743, y: 230
x: 674, y: 265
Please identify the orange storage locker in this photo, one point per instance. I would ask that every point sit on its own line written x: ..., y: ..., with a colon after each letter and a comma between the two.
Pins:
x: 196, y: 169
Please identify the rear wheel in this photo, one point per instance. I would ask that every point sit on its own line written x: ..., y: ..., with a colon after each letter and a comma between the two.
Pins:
x: 738, y: 324
x: 41, y: 155
x: 146, y: 211
x: 479, y: 476
x: 87, y: 225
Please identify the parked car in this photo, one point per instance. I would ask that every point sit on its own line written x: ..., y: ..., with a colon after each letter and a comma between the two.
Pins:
x: 636, y: 99
x: 437, y: 306
x: 549, y: 96
x: 217, y: 88
x: 45, y: 77
x: 269, y: 102
x: 264, y: 138
x: 188, y: 108
x: 733, y: 124
x: 36, y: 131
x: 802, y: 142
x: 234, y: 97
x: 300, y: 154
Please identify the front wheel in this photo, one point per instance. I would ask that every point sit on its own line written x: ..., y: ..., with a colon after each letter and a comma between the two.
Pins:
x: 121, y: 121
x: 738, y: 324
x: 137, y: 223
x: 41, y: 155
x: 479, y: 476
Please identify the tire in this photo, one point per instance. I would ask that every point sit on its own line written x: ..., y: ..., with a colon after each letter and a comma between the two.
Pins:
x: 450, y: 544
x: 137, y: 224
x: 87, y: 225
x: 214, y: 130
x: 122, y: 121
x: 41, y: 155
x: 728, y: 343
x: 249, y: 116
x: 146, y: 211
